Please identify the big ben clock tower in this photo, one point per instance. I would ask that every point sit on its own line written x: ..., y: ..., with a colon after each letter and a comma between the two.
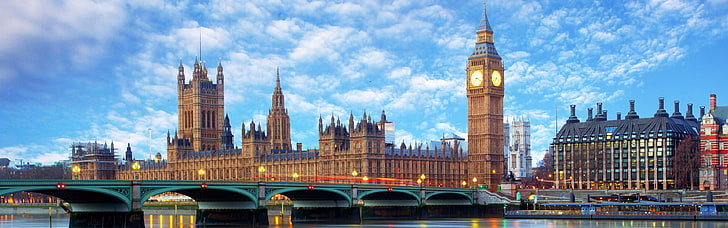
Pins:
x: 485, y: 108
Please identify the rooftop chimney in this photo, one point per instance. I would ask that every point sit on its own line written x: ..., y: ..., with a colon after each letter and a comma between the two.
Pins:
x: 689, y: 115
x: 619, y: 116
x: 572, y: 117
x: 631, y: 114
x: 661, y: 108
x: 712, y: 102
x: 589, y: 111
x: 677, y: 113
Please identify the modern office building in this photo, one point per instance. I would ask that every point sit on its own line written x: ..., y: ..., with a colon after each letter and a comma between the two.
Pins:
x: 658, y: 152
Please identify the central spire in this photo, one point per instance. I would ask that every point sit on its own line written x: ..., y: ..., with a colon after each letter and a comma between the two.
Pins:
x: 484, y: 24
x: 278, y: 92
x: 278, y: 78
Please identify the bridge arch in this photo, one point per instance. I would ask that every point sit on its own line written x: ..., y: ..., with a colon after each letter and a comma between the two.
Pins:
x: 83, y: 198
x: 306, y: 197
x: 386, y: 197
x: 210, y: 197
x: 448, y: 198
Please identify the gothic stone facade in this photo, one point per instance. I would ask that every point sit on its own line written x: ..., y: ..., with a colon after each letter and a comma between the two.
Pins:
x: 349, y: 153
x: 203, y: 147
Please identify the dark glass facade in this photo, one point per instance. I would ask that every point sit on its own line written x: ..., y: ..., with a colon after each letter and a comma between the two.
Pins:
x: 631, y: 153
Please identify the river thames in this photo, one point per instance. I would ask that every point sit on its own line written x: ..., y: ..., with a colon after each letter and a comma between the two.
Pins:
x: 185, y: 221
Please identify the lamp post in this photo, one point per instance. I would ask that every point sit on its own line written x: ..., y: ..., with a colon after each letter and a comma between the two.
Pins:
x: 365, y: 178
x: 135, y: 167
x: 202, y: 173
x: 295, y: 176
x: 76, y: 170
x: 354, y: 174
x: 261, y: 170
x: 464, y: 184
x: 421, y: 181
x: 475, y: 183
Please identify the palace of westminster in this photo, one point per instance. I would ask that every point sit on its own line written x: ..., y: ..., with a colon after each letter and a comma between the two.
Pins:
x: 349, y: 150
x: 659, y: 152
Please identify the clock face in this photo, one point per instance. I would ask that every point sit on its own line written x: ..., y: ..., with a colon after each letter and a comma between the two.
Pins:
x: 476, y: 78
x: 496, y: 78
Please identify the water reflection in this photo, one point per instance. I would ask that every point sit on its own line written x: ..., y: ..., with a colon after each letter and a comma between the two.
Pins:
x: 169, y: 221
x: 188, y: 221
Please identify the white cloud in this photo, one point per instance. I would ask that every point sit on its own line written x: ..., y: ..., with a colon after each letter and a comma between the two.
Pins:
x: 326, y: 43
x: 362, y: 98
x: 399, y: 73
x: 284, y: 29
x: 58, y: 35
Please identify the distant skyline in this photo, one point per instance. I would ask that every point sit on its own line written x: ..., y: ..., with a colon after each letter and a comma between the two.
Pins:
x: 80, y: 71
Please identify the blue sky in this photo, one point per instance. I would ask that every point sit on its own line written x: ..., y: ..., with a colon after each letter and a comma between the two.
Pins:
x: 82, y: 70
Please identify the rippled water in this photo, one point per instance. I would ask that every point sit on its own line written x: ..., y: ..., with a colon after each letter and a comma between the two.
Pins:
x: 185, y: 221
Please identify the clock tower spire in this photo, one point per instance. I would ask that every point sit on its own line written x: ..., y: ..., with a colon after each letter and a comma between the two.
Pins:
x: 485, y: 108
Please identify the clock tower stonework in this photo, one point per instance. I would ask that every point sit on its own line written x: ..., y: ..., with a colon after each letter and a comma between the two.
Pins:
x: 485, y: 108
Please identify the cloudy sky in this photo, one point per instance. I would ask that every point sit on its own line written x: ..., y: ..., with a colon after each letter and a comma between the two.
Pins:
x: 83, y: 70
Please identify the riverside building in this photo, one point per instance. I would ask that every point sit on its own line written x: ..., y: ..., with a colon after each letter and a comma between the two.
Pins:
x: 355, y: 150
x: 631, y: 153
x: 714, y: 147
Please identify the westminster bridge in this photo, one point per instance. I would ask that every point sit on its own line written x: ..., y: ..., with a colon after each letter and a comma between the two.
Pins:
x: 244, y: 203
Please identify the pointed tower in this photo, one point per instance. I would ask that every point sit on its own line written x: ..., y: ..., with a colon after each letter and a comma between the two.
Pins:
x: 128, y: 154
x: 227, y: 135
x: 485, y: 108
x: 201, y: 108
x: 279, y: 124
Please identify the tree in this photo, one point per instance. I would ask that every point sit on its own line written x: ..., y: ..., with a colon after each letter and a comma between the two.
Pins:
x: 544, y: 172
x: 686, y: 162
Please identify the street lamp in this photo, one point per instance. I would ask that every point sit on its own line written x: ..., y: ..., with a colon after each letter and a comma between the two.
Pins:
x: 421, y: 181
x: 464, y: 183
x: 475, y: 182
x: 76, y: 170
x: 134, y: 168
x: 354, y: 174
x: 295, y: 175
x: 365, y: 178
x: 202, y: 173
x: 261, y: 170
